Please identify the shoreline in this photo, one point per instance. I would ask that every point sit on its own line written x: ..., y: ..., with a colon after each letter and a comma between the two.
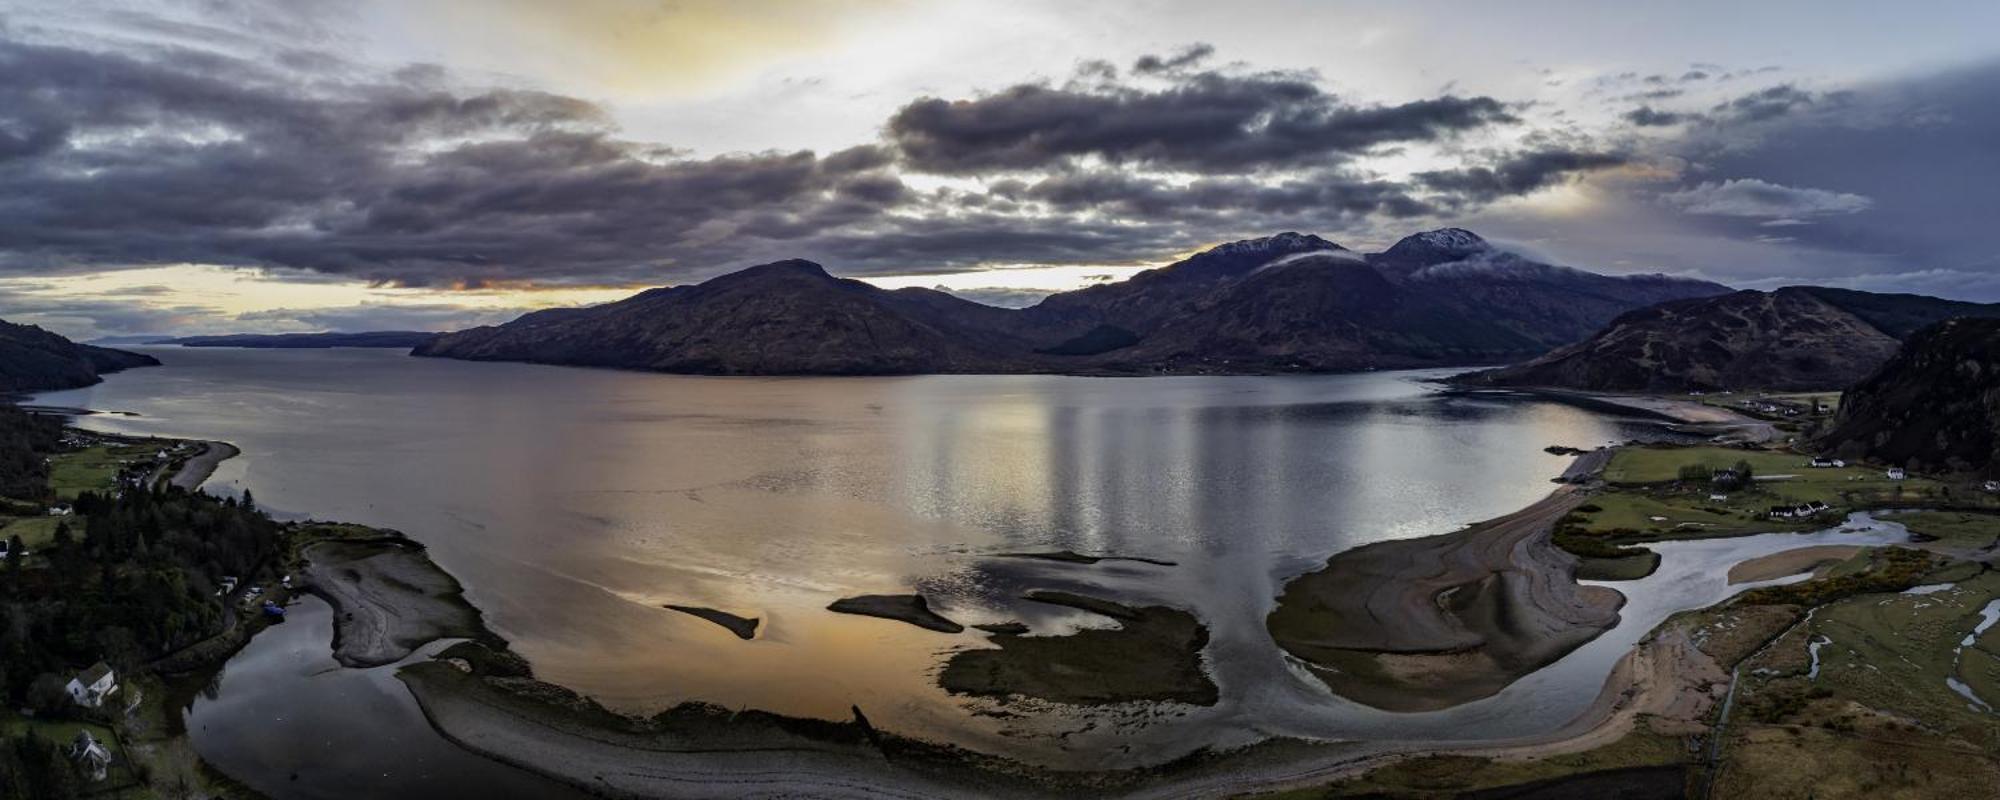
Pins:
x: 547, y: 729
x: 1722, y: 422
x: 1430, y: 623
x: 198, y: 468
x: 687, y: 751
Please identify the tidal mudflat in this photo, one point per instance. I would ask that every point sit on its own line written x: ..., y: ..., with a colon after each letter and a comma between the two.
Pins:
x: 1185, y: 502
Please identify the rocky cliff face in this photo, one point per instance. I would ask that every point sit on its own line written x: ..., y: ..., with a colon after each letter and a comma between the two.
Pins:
x: 1933, y: 407
x: 1290, y: 302
x: 1792, y: 339
x: 35, y: 360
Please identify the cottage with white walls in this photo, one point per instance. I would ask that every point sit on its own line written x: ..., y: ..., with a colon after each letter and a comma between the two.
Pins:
x: 91, y: 687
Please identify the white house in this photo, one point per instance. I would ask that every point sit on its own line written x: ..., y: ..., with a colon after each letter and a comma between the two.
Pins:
x: 90, y: 688
x: 1993, y: 486
x: 1896, y: 473
x: 1718, y: 497
x: 60, y: 510
x: 90, y: 755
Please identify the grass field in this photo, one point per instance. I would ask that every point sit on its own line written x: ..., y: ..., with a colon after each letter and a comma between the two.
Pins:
x: 1450, y: 775
x: 1962, y: 528
x: 59, y: 731
x: 1878, y: 718
x: 1632, y: 513
x: 1837, y: 486
x: 1892, y: 653
x: 35, y: 532
x: 92, y: 468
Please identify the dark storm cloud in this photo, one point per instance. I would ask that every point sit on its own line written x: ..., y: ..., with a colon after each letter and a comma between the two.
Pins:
x: 171, y: 153
x: 1649, y: 117
x: 1187, y: 57
x: 1771, y: 103
x: 1327, y: 194
x: 1517, y: 174
x: 1896, y: 177
x: 1201, y: 121
x: 180, y: 155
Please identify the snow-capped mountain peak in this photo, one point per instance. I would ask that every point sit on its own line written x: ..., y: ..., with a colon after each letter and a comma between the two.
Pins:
x: 1287, y: 242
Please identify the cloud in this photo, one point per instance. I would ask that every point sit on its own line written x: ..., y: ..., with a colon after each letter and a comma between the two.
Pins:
x: 1519, y: 173
x: 1750, y: 197
x: 1648, y: 117
x: 372, y: 317
x: 1962, y: 284
x: 181, y: 156
x: 1002, y: 296
x: 1771, y: 103
x: 1208, y: 121
x: 1189, y: 56
x: 167, y: 154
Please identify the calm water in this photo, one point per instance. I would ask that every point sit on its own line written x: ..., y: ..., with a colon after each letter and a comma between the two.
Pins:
x: 573, y: 503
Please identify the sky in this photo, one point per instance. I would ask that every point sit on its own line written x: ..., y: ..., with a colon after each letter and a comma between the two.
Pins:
x: 204, y: 166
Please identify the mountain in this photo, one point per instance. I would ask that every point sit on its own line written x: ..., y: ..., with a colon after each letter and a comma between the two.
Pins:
x: 35, y: 360
x: 390, y: 339
x: 1934, y: 406
x: 785, y: 318
x: 1290, y: 302
x: 1792, y: 339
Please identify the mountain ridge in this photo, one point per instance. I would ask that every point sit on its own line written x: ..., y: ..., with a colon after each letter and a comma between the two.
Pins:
x: 293, y: 341
x: 1796, y: 338
x: 1290, y: 302
x: 37, y: 360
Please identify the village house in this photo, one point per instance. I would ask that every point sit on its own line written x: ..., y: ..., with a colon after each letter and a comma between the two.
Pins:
x: 1718, y: 497
x: 90, y: 688
x: 1896, y: 473
x: 1822, y: 461
x: 60, y: 510
x: 1800, y: 511
x: 90, y: 755
x: 1993, y: 486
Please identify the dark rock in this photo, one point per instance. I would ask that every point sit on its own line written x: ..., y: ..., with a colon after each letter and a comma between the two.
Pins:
x: 743, y: 627
x: 910, y: 608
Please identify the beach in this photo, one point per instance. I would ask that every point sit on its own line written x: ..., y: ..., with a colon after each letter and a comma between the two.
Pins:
x: 1425, y: 624
x: 198, y: 467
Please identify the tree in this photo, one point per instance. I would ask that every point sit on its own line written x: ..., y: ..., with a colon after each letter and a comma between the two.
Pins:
x: 1743, y: 473
x: 48, y: 695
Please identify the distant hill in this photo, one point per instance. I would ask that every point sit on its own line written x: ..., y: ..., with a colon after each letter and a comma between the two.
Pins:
x: 1792, y: 339
x: 35, y: 360
x: 1934, y: 406
x: 393, y: 339
x: 1290, y: 302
